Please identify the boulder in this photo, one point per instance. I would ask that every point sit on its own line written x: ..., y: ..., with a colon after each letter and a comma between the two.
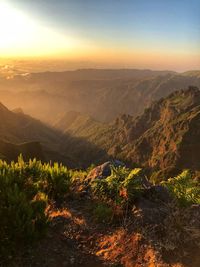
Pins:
x: 103, y: 170
x: 148, y: 212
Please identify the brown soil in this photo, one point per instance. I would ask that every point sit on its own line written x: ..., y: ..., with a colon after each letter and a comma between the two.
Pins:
x: 75, y: 239
x: 70, y: 240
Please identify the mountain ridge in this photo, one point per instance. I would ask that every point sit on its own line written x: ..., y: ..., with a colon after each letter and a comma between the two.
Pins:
x: 102, y: 94
x: 158, y: 139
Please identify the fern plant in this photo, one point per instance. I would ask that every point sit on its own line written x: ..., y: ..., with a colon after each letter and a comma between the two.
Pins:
x: 123, y: 184
x: 184, y: 188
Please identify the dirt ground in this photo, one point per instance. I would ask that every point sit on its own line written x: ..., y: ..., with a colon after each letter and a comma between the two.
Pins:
x: 75, y: 239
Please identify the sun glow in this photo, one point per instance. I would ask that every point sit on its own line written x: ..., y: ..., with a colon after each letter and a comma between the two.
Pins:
x: 24, y: 36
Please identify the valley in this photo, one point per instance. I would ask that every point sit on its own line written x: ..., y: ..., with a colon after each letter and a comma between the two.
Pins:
x: 100, y: 172
x: 78, y: 139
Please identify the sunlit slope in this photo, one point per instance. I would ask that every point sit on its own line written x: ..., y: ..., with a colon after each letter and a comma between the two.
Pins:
x: 165, y: 136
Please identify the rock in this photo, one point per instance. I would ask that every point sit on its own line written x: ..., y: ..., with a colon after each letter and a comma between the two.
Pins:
x: 104, y: 170
x: 147, y: 212
x: 162, y: 193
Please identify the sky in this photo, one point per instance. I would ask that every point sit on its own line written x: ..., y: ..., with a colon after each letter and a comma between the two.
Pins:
x: 158, y: 34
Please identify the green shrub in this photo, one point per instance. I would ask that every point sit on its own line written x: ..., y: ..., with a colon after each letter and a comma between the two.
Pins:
x: 58, y: 179
x: 110, y: 186
x: 123, y: 184
x: 54, y: 179
x: 79, y: 176
x: 184, y: 188
x: 133, y: 183
x: 25, y: 188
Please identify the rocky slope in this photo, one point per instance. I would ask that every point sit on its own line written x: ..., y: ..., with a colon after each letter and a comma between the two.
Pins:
x: 165, y: 136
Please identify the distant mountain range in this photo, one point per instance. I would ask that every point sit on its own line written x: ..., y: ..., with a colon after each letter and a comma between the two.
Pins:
x: 101, y: 94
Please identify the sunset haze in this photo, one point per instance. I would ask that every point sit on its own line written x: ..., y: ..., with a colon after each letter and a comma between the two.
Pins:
x: 113, y: 33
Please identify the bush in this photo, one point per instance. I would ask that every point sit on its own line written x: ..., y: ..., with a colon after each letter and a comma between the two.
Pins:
x: 25, y: 188
x: 54, y: 179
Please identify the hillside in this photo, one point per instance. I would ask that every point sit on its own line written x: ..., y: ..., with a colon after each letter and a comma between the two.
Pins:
x: 9, y: 151
x: 19, y: 127
x: 52, y: 144
x: 20, y: 133
x: 165, y: 136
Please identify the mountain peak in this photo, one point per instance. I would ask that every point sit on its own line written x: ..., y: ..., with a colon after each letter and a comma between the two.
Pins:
x: 3, y: 108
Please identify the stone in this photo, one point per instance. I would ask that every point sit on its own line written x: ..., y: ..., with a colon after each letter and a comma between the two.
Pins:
x: 104, y: 170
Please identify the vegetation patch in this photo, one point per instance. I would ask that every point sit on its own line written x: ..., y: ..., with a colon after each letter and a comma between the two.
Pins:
x: 184, y: 188
x: 121, y: 186
x: 26, y: 188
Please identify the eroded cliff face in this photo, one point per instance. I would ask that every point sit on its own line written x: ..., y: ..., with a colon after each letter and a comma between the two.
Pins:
x: 166, y: 135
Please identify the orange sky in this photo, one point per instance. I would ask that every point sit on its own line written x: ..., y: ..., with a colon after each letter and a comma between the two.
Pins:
x: 104, y: 38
